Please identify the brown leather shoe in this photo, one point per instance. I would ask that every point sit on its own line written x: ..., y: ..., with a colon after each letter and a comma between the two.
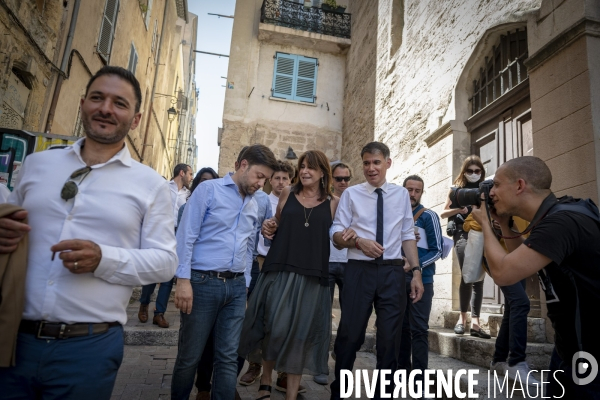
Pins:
x: 281, y: 383
x: 159, y: 319
x: 254, y: 372
x: 143, y: 313
x: 203, y: 396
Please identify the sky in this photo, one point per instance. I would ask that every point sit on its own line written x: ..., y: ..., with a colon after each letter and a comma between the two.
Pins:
x: 214, y: 36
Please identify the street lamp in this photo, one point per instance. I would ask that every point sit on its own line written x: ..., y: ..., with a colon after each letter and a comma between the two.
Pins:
x: 172, y: 112
x: 290, y: 154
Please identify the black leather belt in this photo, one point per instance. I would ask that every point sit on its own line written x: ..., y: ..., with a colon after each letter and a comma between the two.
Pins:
x: 56, y: 330
x: 221, y: 275
x: 397, y: 262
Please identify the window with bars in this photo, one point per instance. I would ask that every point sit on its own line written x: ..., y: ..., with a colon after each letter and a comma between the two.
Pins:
x: 107, y: 29
x: 295, y: 78
x: 502, y: 71
x: 78, y: 131
x: 133, y: 59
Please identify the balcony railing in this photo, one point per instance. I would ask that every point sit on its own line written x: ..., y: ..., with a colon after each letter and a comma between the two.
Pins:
x: 310, y: 19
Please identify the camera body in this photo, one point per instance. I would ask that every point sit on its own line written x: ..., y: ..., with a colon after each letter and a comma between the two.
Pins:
x: 464, y: 197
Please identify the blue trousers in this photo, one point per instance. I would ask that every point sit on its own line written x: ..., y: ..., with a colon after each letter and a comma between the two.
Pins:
x: 336, y: 275
x: 415, y: 331
x: 64, y: 369
x: 162, y: 298
x: 512, y: 337
x: 218, y: 306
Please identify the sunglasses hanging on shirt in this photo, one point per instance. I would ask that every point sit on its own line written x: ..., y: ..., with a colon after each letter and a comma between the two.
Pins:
x: 70, y: 188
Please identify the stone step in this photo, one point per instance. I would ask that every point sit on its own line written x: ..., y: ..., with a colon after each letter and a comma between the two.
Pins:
x: 147, y: 334
x: 479, y: 351
x: 536, y: 327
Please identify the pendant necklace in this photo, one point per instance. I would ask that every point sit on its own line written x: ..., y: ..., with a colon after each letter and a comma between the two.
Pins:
x: 305, y: 217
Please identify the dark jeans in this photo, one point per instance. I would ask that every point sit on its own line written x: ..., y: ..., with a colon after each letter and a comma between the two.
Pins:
x: 367, y: 284
x: 336, y: 275
x: 472, y: 292
x: 415, y: 331
x: 64, y: 369
x: 162, y: 298
x: 218, y: 307
x: 512, y: 337
x: 205, y: 366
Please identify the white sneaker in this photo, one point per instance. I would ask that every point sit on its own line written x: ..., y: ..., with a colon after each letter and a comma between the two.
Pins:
x: 522, y: 369
x: 499, y: 367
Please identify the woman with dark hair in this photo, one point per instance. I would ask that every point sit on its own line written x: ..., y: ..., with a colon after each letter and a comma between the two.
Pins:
x: 471, y: 175
x: 204, y: 174
x: 288, y: 316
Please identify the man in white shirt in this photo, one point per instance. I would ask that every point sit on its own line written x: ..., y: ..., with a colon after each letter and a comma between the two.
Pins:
x: 182, y: 177
x: 374, y: 221
x: 99, y: 223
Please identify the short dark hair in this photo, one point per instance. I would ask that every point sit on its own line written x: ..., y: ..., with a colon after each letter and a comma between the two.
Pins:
x: 414, y: 178
x: 374, y: 148
x: 179, y: 168
x: 531, y: 169
x: 340, y: 165
x: 284, y: 166
x: 258, y: 154
x: 198, y: 176
x: 123, y: 74
x: 241, y: 155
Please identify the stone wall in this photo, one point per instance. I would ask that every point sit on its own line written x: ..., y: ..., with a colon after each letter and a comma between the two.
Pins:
x: 39, y: 23
x: 359, y: 94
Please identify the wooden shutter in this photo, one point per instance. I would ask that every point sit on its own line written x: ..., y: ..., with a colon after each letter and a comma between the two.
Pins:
x: 306, y: 79
x: 284, y: 76
x: 107, y: 29
x: 133, y: 59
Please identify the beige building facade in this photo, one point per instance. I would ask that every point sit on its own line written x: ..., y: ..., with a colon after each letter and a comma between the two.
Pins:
x: 51, y: 49
x: 285, y: 86
x: 436, y: 81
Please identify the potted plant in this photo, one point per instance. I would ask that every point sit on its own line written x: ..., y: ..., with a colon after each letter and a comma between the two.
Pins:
x: 329, y: 5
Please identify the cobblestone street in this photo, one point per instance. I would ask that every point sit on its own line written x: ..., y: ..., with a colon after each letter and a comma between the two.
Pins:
x: 147, y: 370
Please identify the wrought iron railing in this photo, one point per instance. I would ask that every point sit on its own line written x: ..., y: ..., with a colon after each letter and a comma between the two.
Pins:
x: 310, y: 19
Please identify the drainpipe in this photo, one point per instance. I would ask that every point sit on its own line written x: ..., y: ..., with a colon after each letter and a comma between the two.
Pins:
x: 157, y: 64
x: 63, y: 67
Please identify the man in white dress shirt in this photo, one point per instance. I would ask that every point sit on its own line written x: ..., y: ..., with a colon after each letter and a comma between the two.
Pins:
x: 182, y: 177
x: 374, y: 221
x: 100, y: 223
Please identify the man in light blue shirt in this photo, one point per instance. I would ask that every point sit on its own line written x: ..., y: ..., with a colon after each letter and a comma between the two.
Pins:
x: 215, y: 241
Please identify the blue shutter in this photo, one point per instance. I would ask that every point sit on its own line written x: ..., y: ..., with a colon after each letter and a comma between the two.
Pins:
x: 306, y: 80
x: 284, y: 76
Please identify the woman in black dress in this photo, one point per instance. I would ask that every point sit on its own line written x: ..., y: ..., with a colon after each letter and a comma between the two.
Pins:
x: 288, y: 316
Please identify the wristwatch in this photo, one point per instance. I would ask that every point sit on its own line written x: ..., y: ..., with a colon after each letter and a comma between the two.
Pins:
x: 417, y: 268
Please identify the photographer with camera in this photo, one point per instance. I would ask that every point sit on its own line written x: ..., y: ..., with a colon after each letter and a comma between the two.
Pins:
x: 471, y: 174
x: 563, y: 249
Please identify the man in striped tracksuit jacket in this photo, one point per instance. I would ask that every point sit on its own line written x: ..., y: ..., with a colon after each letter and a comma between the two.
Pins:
x: 416, y: 318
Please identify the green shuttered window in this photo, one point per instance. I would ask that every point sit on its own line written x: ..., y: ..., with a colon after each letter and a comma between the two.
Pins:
x: 295, y: 78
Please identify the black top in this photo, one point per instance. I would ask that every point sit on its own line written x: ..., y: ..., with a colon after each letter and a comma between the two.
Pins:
x: 572, y: 241
x: 300, y: 249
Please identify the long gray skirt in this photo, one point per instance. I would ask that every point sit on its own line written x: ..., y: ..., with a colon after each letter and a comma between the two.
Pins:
x: 288, y: 320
